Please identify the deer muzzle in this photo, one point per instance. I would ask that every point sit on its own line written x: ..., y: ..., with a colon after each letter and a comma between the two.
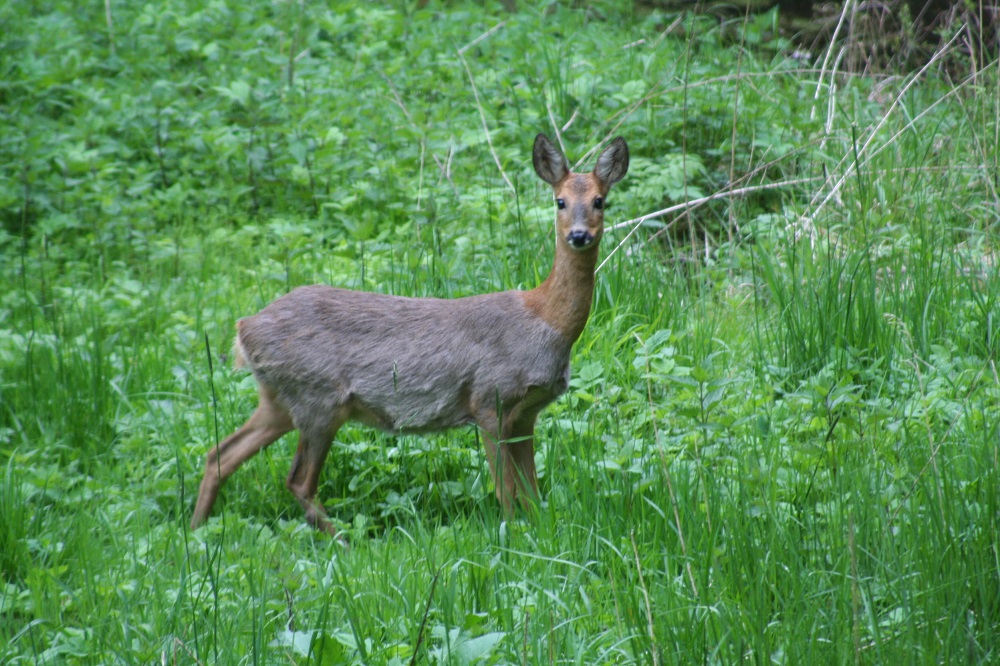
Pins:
x: 580, y: 239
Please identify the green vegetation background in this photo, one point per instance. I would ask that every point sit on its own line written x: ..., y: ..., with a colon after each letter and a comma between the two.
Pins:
x: 781, y: 441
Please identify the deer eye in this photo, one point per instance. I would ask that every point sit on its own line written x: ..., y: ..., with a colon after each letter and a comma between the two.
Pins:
x: 561, y: 203
x: 599, y: 203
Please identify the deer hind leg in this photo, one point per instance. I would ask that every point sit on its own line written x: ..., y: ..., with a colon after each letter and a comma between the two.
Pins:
x: 264, y: 427
x: 303, y: 477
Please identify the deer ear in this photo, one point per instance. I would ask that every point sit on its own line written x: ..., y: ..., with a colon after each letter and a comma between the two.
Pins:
x: 612, y: 165
x: 550, y: 164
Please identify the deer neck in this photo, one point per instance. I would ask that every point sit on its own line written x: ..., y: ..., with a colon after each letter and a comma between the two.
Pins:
x: 563, y: 300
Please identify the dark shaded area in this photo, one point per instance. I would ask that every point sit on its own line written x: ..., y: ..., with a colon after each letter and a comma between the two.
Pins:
x: 877, y: 34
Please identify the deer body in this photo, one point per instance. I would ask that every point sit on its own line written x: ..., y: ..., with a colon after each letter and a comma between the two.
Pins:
x: 403, y: 364
x: 323, y: 356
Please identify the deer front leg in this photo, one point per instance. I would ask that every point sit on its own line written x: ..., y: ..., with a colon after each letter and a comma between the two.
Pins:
x: 510, y: 451
x: 521, y: 451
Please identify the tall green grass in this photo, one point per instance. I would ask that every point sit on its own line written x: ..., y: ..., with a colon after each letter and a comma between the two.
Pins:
x: 780, y: 443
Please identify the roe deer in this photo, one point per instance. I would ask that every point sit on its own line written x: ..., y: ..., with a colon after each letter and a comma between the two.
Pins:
x: 322, y: 356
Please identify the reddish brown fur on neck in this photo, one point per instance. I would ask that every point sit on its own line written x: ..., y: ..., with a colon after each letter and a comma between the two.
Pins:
x: 563, y: 300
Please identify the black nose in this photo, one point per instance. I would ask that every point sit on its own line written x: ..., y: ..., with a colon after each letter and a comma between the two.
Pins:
x: 579, y: 238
